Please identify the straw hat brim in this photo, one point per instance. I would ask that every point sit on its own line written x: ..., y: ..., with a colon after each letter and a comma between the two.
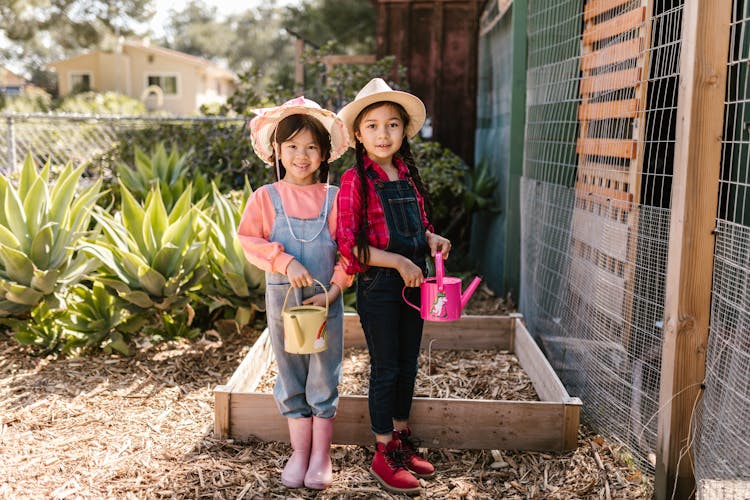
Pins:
x: 262, y: 128
x: 412, y: 104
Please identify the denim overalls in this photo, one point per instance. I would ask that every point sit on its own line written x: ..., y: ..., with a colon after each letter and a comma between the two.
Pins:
x: 392, y: 328
x: 306, y: 384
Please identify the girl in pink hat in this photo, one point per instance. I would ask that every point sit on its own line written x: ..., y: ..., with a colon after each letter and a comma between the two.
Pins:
x: 384, y: 233
x: 288, y: 229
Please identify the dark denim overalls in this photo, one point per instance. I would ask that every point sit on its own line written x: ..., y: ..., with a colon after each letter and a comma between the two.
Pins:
x: 392, y: 328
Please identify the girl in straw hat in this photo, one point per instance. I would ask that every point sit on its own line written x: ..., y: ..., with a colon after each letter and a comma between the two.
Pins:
x: 384, y: 234
x: 288, y: 229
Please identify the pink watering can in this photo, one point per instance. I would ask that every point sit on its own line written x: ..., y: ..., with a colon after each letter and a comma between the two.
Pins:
x: 442, y: 299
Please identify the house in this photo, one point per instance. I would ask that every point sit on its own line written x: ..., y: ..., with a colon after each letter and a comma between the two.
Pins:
x: 11, y: 84
x: 164, y: 79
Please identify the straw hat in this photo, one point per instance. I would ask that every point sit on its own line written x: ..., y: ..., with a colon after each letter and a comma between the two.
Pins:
x: 377, y: 90
x: 262, y: 126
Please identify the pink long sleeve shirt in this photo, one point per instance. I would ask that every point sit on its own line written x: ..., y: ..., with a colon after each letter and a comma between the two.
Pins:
x: 257, y: 221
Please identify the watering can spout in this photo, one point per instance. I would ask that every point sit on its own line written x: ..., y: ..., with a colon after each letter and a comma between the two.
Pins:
x: 466, y: 295
x: 298, y: 331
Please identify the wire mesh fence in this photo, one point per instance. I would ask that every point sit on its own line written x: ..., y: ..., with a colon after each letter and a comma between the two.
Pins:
x: 722, y: 445
x: 79, y: 138
x: 601, y: 106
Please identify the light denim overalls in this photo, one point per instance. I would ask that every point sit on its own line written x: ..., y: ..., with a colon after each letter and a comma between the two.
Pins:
x: 306, y: 384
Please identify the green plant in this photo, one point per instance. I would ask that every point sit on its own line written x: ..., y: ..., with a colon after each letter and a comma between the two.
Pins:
x: 40, y: 226
x: 41, y: 329
x: 170, y: 171
x: 234, y: 282
x: 95, y: 319
x: 104, y: 103
x: 152, y: 258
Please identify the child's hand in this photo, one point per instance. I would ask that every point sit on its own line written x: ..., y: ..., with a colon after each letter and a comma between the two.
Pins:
x: 410, y: 272
x: 320, y: 298
x: 438, y: 243
x: 298, y: 274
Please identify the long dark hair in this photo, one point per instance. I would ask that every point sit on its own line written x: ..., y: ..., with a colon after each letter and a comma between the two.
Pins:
x: 294, y: 124
x: 404, y: 153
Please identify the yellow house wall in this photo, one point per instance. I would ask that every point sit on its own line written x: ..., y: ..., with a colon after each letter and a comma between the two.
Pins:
x: 144, y: 64
x: 127, y: 73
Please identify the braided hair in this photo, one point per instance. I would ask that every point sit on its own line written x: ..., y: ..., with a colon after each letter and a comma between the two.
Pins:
x: 293, y: 125
x: 405, y: 154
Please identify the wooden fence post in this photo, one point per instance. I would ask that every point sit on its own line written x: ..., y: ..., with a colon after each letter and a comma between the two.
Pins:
x: 697, y: 162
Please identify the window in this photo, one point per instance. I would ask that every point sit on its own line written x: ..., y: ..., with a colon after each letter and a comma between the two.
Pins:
x: 80, y: 82
x: 168, y: 84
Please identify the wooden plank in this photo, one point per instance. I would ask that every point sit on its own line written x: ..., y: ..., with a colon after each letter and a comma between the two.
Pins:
x: 221, y: 412
x: 439, y: 423
x: 612, y: 27
x: 617, y: 175
x: 603, y: 82
x: 253, y: 366
x: 470, y: 332
x: 618, y: 148
x: 603, y: 192
x: 611, y: 54
x: 593, y: 229
x: 536, y: 366
x: 695, y: 186
x: 598, y: 7
x: 612, y: 109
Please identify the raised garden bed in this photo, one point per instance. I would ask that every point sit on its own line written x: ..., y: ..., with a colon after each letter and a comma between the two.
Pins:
x: 551, y: 423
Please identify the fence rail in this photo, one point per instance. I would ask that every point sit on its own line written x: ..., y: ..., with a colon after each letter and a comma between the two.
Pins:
x: 61, y: 138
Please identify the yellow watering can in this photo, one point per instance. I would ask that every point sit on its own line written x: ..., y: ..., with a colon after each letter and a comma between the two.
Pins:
x: 305, y: 326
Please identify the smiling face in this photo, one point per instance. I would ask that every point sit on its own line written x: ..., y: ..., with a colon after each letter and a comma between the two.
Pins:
x: 301, y: 156
x: 380, y: 129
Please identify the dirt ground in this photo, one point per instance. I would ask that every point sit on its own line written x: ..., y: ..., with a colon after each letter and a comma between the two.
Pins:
x: 142, y: 427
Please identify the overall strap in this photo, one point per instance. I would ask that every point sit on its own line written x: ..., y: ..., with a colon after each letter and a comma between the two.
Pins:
x: 327, y: 205
x: 275, y: 199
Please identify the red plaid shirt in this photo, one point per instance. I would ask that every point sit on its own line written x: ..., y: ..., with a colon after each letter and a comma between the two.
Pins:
x: 349, y: 203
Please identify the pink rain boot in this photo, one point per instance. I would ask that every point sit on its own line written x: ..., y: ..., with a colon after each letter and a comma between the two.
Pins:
x: 300, y: 435
x: 320, y: 471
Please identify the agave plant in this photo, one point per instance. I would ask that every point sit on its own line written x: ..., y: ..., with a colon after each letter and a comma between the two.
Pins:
x: 170, y: 171
x: 40, y: 226
x: 234, y: 282
x: 96, y: 319
x: 152, y: 258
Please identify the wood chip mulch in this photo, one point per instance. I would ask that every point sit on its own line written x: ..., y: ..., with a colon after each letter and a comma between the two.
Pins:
x: 142, y: 427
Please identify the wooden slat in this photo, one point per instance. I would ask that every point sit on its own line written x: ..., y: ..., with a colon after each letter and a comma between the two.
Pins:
x: 542, y: 376
x: 469, y: 332
x: 603, y: 110
x: 439, y: 423
x: 597, y: 7
x: 619, y: 148
x: 610, y: 172
x: 221, y: 412
x: 614, y: 194
x: 627, y: 21
x: 252, y: 368
x: 611, y: 54
x: 604, y: 82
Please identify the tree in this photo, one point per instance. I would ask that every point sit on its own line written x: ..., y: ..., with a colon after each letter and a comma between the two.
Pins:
x: 348, y: 26
x: 197, y: 30
x: 38, y: 31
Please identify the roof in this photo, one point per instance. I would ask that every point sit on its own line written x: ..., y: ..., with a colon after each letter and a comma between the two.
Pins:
x: 201, y: 62
x: 8, y: 78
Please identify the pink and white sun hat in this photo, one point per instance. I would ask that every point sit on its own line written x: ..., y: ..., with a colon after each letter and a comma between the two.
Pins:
x: 263, y: 125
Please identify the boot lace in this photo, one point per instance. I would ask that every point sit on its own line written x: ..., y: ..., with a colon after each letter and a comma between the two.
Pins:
x: 397, y: 458
x: 410, y: 445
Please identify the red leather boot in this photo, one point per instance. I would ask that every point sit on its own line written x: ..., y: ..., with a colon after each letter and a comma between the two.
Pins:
x: 412, y: 459
x: 388, y: 468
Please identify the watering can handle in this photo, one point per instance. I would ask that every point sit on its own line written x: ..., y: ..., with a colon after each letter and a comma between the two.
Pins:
x: 439, y: 269
x: 283, y: 308
x: 403, y: 294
